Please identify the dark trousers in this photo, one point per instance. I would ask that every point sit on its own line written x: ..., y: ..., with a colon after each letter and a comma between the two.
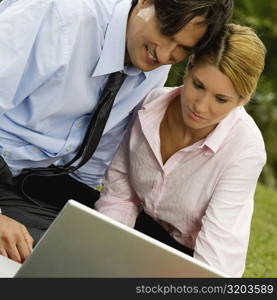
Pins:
x: 50, y: 194
x: 147, y: 225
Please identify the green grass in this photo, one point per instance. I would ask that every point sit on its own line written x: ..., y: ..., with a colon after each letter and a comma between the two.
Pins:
x: 262, y: 252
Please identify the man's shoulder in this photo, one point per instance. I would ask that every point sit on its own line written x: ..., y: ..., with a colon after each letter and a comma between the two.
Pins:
x: 66, y: 8
x: 99, y: 9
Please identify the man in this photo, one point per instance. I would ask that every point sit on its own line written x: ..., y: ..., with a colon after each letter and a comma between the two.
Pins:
x: 56, y: 56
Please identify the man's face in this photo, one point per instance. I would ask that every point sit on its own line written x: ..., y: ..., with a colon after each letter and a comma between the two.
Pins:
x: 147, y: 48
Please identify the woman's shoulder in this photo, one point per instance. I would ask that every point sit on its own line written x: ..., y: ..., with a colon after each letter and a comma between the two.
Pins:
x: 247, y: 126
x: 245, y: 134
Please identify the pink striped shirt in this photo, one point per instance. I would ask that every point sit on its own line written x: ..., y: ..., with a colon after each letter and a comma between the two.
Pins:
x: 202, y: 195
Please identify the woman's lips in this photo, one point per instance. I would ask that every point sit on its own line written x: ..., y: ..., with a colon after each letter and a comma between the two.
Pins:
x: 194, y: 116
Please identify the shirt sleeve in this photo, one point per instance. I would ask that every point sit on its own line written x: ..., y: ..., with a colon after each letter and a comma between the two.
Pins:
x: 30, y: 49
x: 223, y: 239
x: 118, y: 199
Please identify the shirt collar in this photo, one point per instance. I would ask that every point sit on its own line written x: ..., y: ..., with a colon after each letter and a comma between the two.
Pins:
x: 212, y: 142
x: 160, y: 102
x: 115, y: 39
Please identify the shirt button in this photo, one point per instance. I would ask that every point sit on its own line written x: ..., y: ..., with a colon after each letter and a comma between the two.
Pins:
x: 36, y: 149
x: 79, y: 125
x: 68, y: 148
x: 99, y: 188
x: 6, y: 153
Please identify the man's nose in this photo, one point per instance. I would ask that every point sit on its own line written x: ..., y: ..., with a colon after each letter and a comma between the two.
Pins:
x: 166, y: 53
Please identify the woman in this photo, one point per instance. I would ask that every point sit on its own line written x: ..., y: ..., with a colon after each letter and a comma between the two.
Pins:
x: 192, y: 157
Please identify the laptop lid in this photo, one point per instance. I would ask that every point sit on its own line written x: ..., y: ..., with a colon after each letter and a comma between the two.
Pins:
x: 82, y: 242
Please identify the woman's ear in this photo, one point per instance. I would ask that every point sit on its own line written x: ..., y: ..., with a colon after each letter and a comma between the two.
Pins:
x: 244, y: 100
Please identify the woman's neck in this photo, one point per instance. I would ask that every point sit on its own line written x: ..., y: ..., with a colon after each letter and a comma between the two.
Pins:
x: 176, y: 125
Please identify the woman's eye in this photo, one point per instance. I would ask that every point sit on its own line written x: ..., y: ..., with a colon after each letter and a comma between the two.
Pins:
x: 220, y: 100
x: 197, y: 85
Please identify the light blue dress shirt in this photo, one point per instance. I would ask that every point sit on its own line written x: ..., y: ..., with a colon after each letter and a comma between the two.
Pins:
x: 55, y: 56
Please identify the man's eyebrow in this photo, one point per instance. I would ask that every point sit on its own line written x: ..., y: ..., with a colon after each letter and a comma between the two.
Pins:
x: 185, y: 47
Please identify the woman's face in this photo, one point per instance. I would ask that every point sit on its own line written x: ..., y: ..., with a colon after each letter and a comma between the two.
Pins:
x: 207, y: 97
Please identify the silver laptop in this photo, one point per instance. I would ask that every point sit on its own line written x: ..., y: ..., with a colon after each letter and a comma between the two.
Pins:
x: 8, y: 267
x: 81, y: 242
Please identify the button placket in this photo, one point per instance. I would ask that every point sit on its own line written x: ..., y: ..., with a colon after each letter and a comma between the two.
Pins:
x: 79, y: 125
x: 36, y: 149
x: 6, y: 153
x: 159, y: 187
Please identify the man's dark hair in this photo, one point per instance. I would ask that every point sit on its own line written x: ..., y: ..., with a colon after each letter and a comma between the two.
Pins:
x: 173, y: 15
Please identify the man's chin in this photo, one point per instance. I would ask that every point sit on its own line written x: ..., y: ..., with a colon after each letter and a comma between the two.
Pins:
x: 146, y: 67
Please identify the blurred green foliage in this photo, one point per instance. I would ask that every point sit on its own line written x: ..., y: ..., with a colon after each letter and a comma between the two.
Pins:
x: 262, y: 256
x: 260, y: 15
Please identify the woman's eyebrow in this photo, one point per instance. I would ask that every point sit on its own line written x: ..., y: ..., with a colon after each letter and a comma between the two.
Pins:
x: 195, y: 78
x: 198, y: 80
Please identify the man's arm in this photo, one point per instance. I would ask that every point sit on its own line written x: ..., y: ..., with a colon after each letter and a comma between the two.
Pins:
x: 30, y: 47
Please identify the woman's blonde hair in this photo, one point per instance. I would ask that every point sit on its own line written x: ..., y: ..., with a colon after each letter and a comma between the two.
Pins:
x: 239, y: 54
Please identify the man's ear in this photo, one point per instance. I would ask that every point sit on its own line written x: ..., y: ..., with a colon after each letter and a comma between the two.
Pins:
x: 144, y: 3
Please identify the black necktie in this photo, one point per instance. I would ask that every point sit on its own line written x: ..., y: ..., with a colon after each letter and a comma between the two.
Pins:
x: 97, y: 122
x: 94, y: 131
